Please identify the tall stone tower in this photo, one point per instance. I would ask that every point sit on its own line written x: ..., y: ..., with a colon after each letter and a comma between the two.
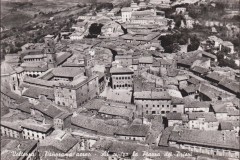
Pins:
x: 50, y: 51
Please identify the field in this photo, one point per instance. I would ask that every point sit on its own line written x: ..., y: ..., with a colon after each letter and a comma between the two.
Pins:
x: 15, y: 19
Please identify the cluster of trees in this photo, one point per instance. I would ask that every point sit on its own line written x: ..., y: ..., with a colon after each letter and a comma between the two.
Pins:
x: 171, y: 43
x: 94, y: 30
x: 225, y: 61
x: 206, y: 11
x: 108, y: 6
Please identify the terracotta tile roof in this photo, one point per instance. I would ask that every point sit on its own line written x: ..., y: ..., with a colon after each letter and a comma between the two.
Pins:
x: 126, y: 9
x: 93, y: 124
x: 165, y: 136
x: 209, y: 117
x: 121, y: 70
x: 230, y: 84
x: 67, y: 71
x: 12, y: 95
x: 94, y: 104
x: 134, y: 130
x: 34, y: 92
x: 198, y: 104
x: 191, y: 88
x: 16, y: 145
x: 63, y: 57
x: 38, y: 82
x: 212, y: 92
x: 174, y: 116
x: 200, y: 70
x: 60, y: 140
x: 47, y: 108
x: 207, y: 138
x: 63, y: 115
x: 13, y: 125
x: 146, y: 60
x: 116, y: 111
x: 177, y: 100
x: 226, y: 126
x: 6, y: 68
x: 215, y: 76
x: 124, y: 96
x: 152, y: 95
x: 24, y: 107
x: 44, y: 128
x: 193, y: 80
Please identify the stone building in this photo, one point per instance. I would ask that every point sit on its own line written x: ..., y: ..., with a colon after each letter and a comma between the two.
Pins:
x: 77, y: 92
x: 121, y: 78
x: 36, y: 131
x: 214, y: 143
x: 11, y: 129
x: 155, y: 103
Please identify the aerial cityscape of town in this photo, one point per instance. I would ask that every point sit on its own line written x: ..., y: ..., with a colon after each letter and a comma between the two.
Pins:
x: 120, y: 79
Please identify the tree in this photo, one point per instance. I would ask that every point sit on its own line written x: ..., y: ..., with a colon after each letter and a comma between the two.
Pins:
x: 195, y: 42
x: 94, y: 30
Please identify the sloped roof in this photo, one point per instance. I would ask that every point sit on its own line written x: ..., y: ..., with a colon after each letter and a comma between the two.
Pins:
x: 174, y: 116
x: 134, y: 130
x: 151, y: 95
x: 93, y: 124
x: 209, y: 138
x: 6, y: 69
x: 117, y: 111
x: 35, y: 91
x: 48, y: 109
x: 120, y: 70
x: 64, y: 143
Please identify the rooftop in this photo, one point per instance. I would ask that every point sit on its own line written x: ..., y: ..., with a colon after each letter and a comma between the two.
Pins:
x: 152, y: 95
x: 92, y: 124
x: 117, y: 70
x: 117, y: 111
x: 134, y: 130
x: 61, y: 140
x: 209, y: 138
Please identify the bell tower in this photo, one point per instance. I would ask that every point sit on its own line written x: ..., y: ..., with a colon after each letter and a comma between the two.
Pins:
x: 49, y: 51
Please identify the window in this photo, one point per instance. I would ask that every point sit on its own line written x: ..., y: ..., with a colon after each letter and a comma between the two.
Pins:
x: 162, y: 105
x: 158, y: 106
x: 163, y: 112
x: 146, y: 105
x: 167, y: 105
x: 174, y: 106
x: 153, y: 105
x: 153, y: 112
x: 146, y: 112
